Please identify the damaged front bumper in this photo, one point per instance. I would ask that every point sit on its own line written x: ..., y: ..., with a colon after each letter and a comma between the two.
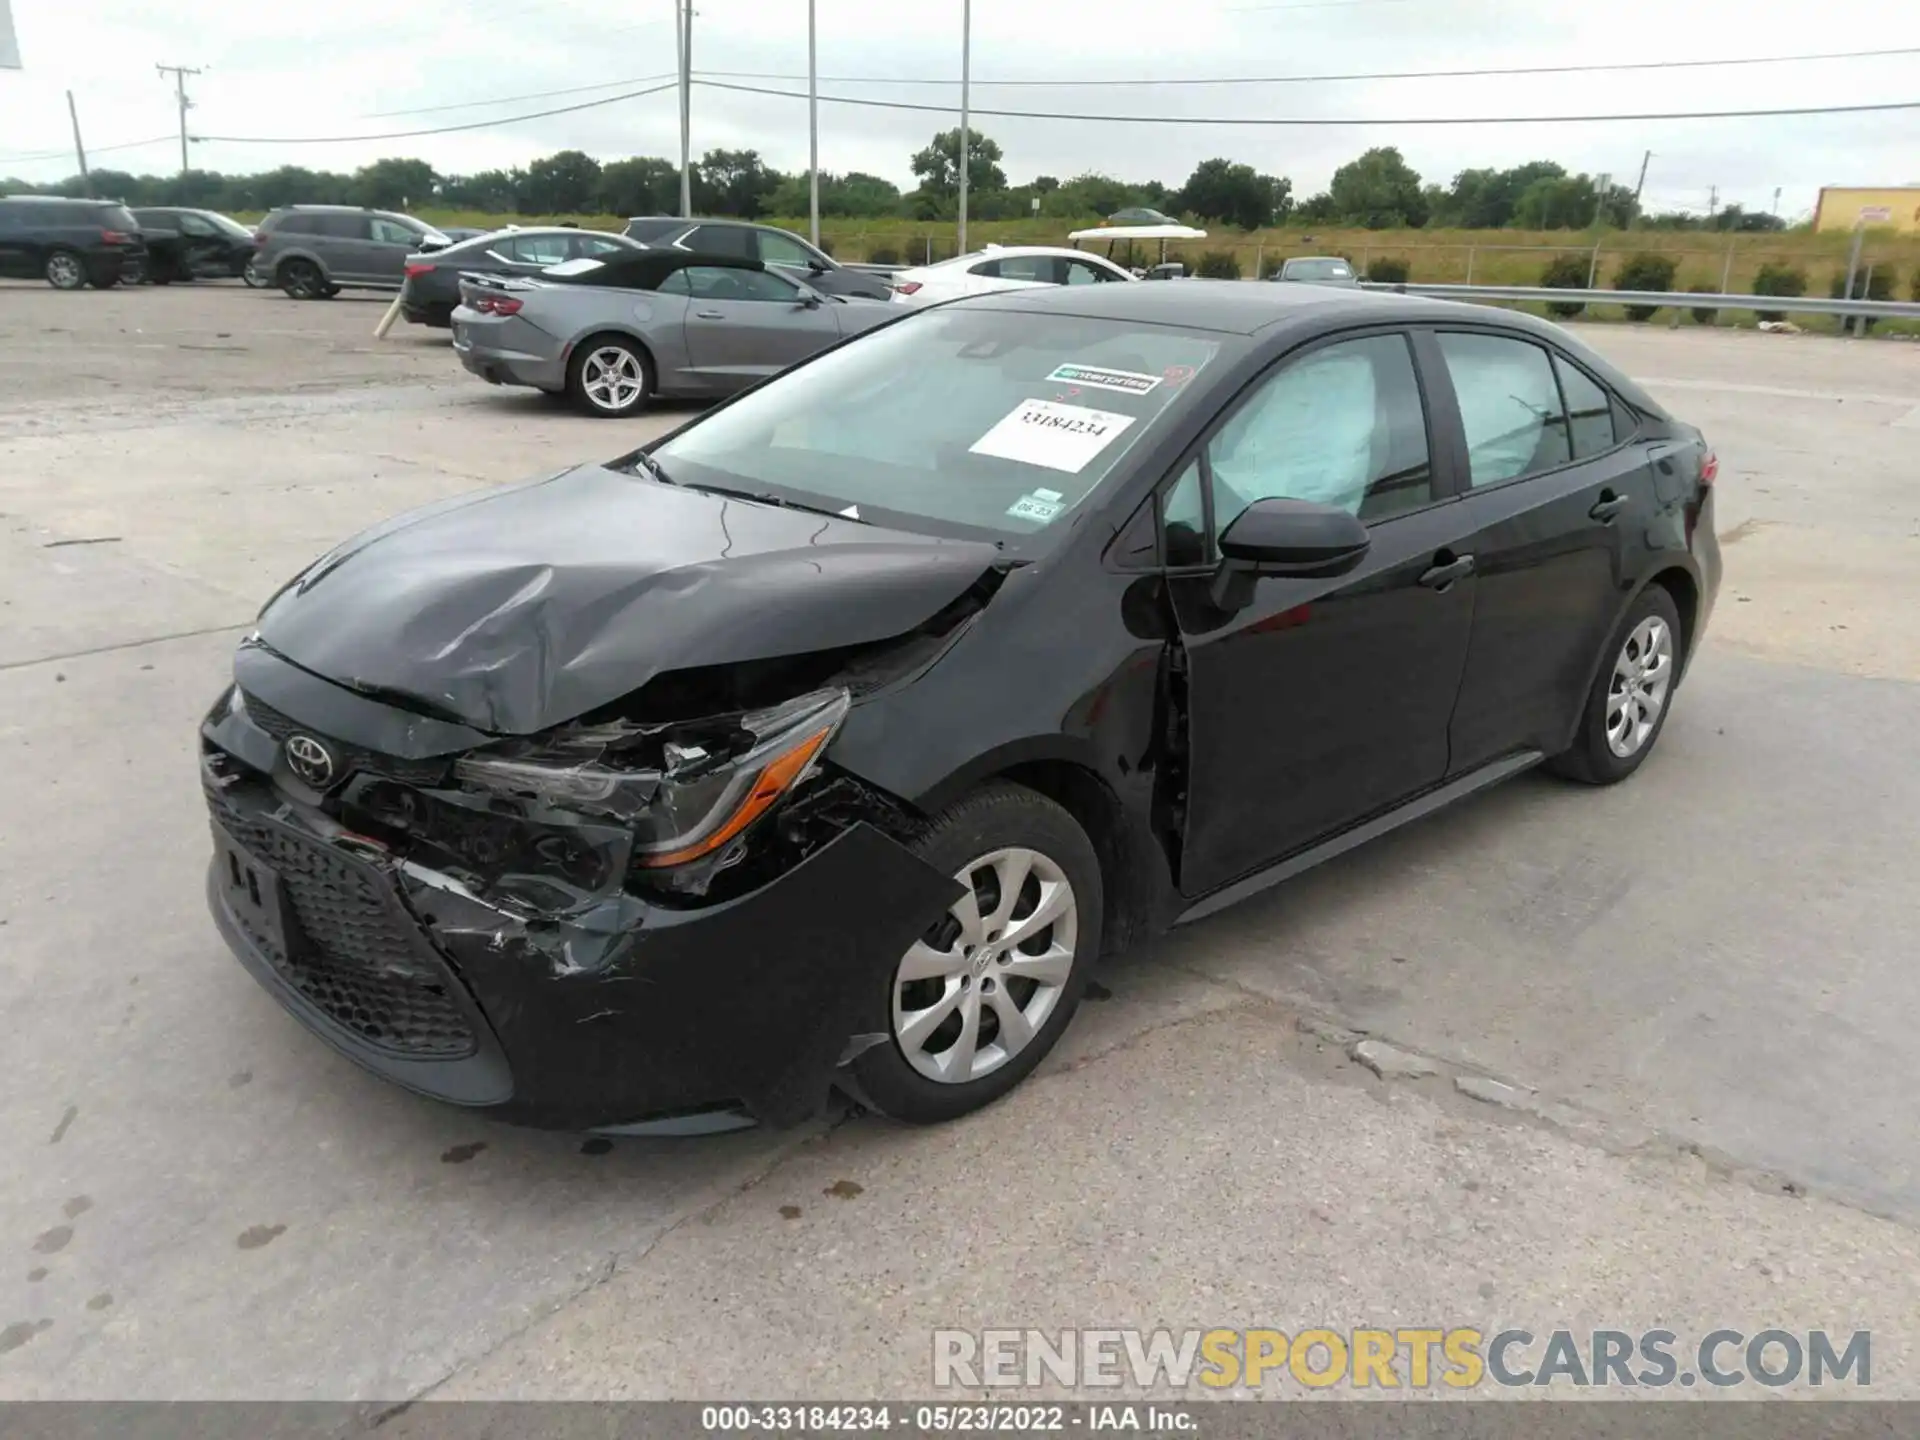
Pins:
x: 604, y: 1011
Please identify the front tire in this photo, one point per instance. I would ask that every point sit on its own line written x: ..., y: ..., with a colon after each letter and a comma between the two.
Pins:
x: 978, y: 1001
x: 64, y: 271
x: 1631, y: 696
x: 609, y: 378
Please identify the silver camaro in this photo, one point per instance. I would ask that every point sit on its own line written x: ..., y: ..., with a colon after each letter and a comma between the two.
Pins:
x: 612, y: 332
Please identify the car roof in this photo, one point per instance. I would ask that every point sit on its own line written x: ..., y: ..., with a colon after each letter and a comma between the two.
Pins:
x: 647, y: 269
x: 1237, y: 307
x: 1231, y: 306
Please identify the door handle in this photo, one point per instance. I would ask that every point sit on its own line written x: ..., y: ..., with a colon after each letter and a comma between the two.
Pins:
x: 1607, y: 506
x: 1441, y: 576
x: 709, y: 315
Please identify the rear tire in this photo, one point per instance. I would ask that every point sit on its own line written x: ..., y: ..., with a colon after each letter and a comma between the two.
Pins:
x: 64, y: 271
x: 1631, y: 697
x: 609, y: 378
x: 302, y: 280
x: 981, y: 998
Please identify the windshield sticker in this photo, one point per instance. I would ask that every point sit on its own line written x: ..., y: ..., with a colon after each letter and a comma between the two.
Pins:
x: 1178, y: 374
x: 1051, y: 495
x: 1058, y: 437
x: 1096, y: 377
x: 1034, y: 507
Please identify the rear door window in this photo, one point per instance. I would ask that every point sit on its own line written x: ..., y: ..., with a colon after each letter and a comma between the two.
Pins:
x: 343, y: 227
x: 537, y: 249
x: 1509, y: 406
x: 734, y: 241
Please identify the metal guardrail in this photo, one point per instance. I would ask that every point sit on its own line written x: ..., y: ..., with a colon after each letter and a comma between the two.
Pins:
x: 1662, y: 299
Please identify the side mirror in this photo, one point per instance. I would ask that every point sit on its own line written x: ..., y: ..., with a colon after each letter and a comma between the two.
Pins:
x: 816, y: 267
x: 1293, y: 538
x: 809, y: 299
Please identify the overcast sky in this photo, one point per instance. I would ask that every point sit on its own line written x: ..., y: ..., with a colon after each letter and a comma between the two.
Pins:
x: 275, y: 69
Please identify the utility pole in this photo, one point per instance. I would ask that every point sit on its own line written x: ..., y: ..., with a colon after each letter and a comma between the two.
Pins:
x: 1600, y: 204
x: 180, y: 73
x: 684, y: 29
x: 1641, y: 184
x: 1713, y: 203
x: 813, y: 128
x: 966, y: 81
x: 86, y: 180
x: 1775, y: 212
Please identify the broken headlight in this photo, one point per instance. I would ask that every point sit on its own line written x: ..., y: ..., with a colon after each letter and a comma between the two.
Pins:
x: 686, y: 789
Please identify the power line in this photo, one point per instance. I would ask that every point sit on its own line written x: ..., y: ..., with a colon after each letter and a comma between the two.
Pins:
x: 1330, y: 120
x: 438, y: 130
x: 91, y: 150
x: 535, y: 95
x: 1324, y: 79
x: 1316, y: 5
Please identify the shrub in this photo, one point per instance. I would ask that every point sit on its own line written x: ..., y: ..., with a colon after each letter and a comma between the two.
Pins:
x: 1913, y: 290
x: 1218, y: 265
x: 1387, y: 270
x: 1645, y: 271
x: 1779, y: 280
x: 1702, y: 314
x: 883, y: 255
x: 1270, y: 267
x: 1565, y: 272
x: 1878, y: 287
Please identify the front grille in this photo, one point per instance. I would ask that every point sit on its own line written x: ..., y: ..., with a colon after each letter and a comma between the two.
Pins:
x: 408, y: 772
x: 353, y: 956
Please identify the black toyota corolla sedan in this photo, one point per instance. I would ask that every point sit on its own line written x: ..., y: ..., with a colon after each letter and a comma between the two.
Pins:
x: 832, y: 739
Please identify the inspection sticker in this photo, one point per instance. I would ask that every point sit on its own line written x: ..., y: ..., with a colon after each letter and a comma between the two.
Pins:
x: 1059, y: 437
x: 1095, y: 377
x: 1036, y: 507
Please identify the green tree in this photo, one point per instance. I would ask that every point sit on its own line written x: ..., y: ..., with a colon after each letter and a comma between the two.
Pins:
x: 938, y: 166
x: 1378, y: 190
x: 1485, y: 199
x: 1236, y: 194
x: 497, y: 191
x: 394, y: 184
x: 733, y: 182
x: 639, y: 185
x: 564, y: 183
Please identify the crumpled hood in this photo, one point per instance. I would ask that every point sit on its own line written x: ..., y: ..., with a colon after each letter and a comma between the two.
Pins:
x: 517, y: 609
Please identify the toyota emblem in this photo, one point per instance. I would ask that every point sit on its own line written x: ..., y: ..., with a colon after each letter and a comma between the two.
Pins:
x: 310, y: 760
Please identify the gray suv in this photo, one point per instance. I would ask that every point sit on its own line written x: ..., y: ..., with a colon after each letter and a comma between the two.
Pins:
x: 314, y: 251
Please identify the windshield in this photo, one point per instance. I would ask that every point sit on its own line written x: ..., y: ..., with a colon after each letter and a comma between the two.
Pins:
x: 1319, y: 270
x: 970, y: 422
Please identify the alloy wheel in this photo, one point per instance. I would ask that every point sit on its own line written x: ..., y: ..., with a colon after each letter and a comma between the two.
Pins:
x: 611, y: 378
x: 973, y: 992
x: 1642, y: 676
x: 64, y: 271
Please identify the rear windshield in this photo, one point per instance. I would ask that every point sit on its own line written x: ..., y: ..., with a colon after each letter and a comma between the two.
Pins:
x: 1319, y: 270
x: 983, y: 423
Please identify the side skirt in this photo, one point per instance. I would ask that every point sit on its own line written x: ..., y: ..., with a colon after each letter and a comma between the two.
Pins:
x: 1492, y: 773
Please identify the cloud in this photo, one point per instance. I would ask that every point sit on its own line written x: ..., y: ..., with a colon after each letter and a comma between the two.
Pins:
x: 269, y: 72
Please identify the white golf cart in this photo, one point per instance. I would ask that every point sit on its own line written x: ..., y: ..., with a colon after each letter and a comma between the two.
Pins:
x: 1161, y: 229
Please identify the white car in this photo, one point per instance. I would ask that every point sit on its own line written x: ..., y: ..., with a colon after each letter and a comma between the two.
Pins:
x: 1003, y: 267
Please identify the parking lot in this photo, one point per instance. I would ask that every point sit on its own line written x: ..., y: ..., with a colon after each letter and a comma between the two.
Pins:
x: 1697, y: 990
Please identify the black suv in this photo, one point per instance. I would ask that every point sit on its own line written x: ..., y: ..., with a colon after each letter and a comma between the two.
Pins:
x: 314, y: 251
x: 72, y: 243
x: 765, y: 243
x: 187, y: 244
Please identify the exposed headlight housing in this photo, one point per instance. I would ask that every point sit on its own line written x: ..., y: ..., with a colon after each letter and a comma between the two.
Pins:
x: 685, y: 789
